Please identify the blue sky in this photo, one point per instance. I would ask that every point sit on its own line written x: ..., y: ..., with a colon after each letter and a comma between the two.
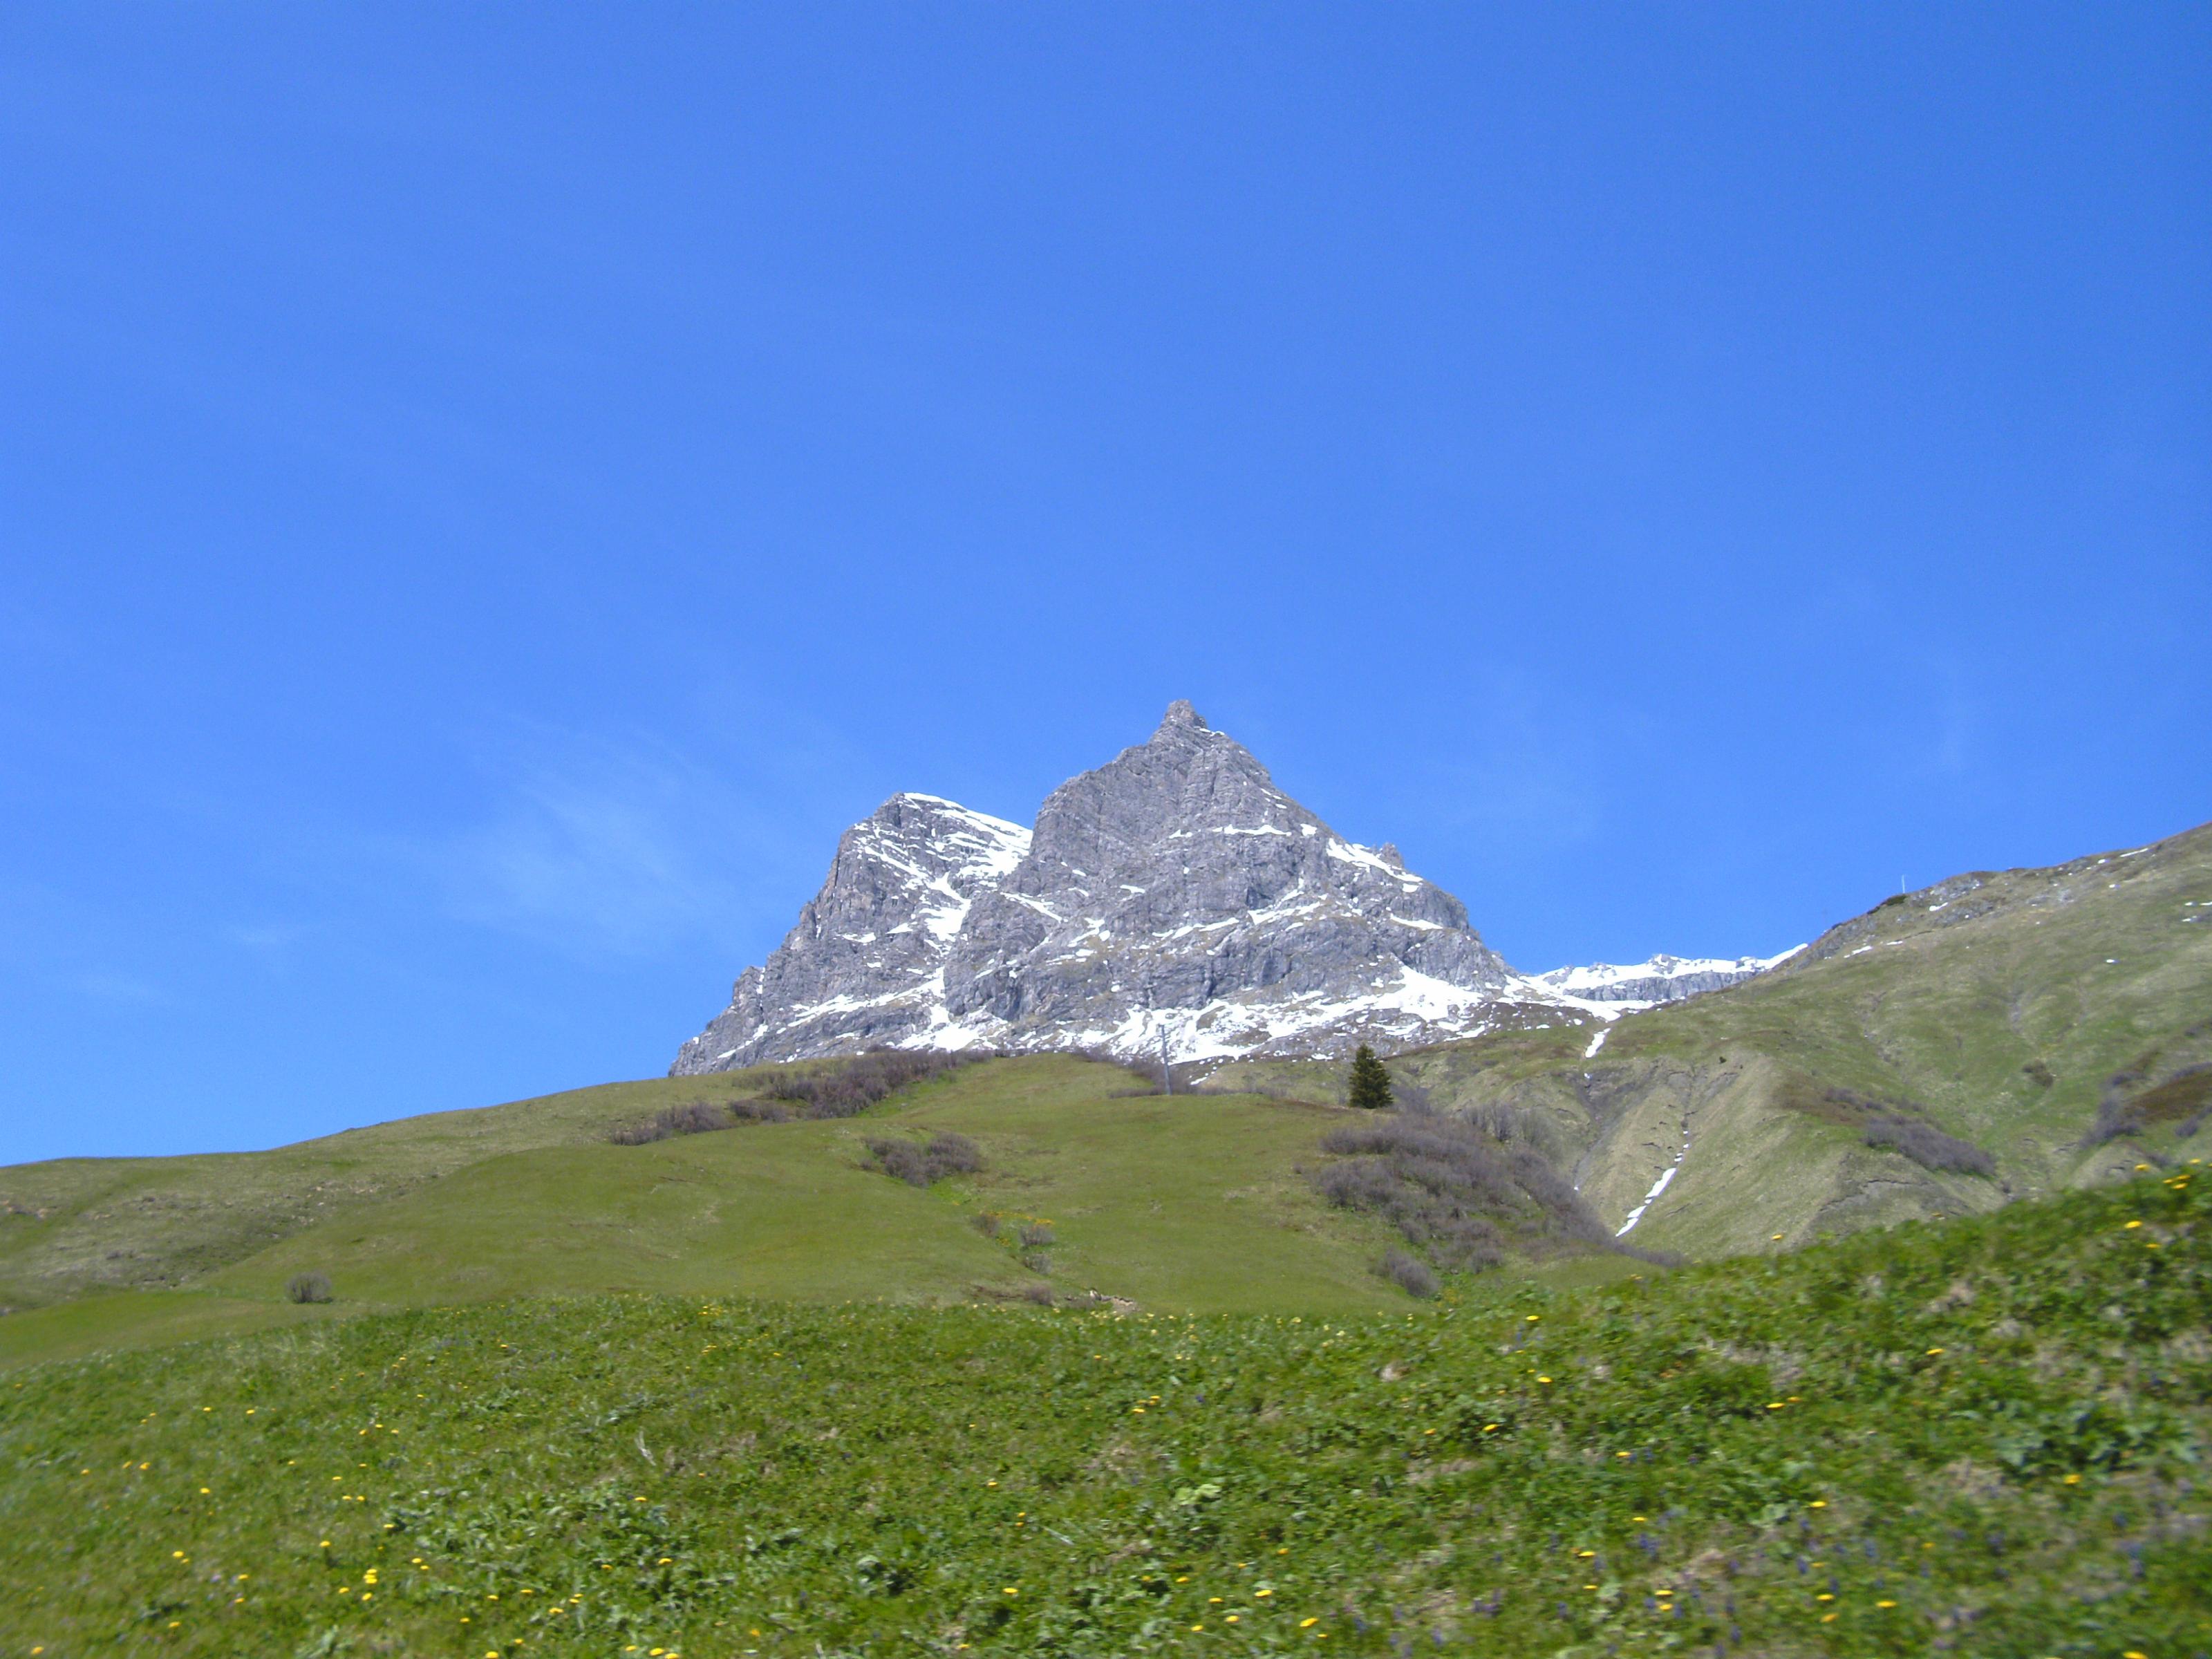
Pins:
x: 488, y: 492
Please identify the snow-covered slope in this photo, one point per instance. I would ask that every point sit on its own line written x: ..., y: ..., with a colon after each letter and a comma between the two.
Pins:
x: 1662, y: 979
x: 1174, y: 895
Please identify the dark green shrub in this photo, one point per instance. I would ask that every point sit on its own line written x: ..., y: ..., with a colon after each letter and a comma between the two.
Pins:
x: 1370, y: 1088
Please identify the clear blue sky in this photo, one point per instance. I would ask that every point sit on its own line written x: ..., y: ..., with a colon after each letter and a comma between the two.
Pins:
x: 487, y: 492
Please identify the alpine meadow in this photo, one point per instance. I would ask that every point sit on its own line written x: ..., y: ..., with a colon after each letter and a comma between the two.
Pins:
x: 936, y: 830
x: 1857, y: 1307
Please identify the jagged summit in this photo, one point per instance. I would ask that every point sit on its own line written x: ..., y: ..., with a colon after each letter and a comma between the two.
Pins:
x: 1174, y: 893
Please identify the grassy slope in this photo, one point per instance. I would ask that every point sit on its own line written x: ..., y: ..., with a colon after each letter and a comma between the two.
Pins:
x: 1981, y: 1437
x: 1189, y: 1205
x: 72, y: 1224
x: 2085, y: 970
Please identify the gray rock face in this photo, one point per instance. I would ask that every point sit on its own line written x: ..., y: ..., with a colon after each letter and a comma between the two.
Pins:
x: 1174, y: 893
x: 1177, y: 880
x: 865, y: 965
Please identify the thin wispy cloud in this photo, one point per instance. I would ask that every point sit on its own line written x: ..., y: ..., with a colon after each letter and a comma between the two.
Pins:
x: 604, y: 845
x: 117, y: 987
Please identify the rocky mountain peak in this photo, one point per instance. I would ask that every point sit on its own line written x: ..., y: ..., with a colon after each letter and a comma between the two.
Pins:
x: 1174, y: 892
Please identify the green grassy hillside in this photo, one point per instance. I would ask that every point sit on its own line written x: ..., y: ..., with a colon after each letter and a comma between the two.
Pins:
x: 1185, y: 1204
x: 1986, y: 1438
x: 1996, y: 1008
x: 73, y: 1224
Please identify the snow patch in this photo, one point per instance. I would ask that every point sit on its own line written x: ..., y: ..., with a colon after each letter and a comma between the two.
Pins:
x: 1666, y: 1179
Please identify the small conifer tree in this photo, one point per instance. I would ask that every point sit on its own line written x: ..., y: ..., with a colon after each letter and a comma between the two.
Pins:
x: 1370, y: 1084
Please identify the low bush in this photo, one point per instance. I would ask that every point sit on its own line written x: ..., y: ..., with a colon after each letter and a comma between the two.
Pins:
x: 693, y: 1117
x: 1451, y: 1187
x: 987, y: 1225
x: 1898, y: 1125
x: 1040, y: 1294
x: 760, y: 1111
x: 308, y: 1287
x: 1036, y: 1234
x: 849, y: 1087
x: 1409, y: 1273
x: 1929, y: 1146
x: 923, y: 1164
x: 1517, y: 1127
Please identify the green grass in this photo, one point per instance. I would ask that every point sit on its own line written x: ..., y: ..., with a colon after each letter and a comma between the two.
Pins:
x: 1187, y: 1205
x: 1191, y: 1204
x: 74, y: 1224
x: 1983, y: 1437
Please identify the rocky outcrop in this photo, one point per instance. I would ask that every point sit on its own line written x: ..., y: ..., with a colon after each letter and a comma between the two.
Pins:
x: 865, y: 966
